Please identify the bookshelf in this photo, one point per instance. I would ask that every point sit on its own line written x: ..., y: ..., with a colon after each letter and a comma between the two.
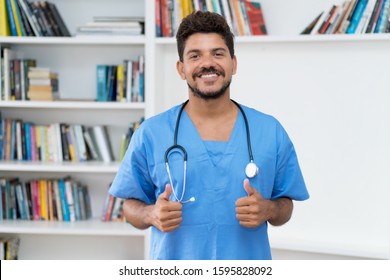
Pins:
x: 340, y: 82
x: 75, y: 60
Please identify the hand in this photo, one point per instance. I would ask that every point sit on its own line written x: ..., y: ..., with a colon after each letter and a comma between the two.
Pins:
x: 167, y: 215
x: 252, y: 210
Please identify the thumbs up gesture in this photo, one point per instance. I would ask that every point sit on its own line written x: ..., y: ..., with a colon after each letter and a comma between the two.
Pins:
x: 252, y: 210
x: 166, y: 215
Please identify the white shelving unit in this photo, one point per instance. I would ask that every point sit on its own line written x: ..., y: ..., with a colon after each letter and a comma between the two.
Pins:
x: 75, y: 60
x: 330, y: 92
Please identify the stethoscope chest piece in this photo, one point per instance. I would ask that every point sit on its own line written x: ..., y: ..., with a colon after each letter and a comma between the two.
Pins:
x: 251, y: 170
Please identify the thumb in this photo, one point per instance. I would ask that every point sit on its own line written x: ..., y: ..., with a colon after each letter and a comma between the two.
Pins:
x: 248, y: 188
x: 167, y: 193
x: 251, y: 190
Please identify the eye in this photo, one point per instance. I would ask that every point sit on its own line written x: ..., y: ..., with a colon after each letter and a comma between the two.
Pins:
x: 219, y: 54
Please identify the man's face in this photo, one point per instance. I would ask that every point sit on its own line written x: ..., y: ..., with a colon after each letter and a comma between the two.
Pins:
x: 207, y: 65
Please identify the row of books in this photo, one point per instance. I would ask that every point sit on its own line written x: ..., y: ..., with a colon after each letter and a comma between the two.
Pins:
x: 121, y: 83
x: 14, y: 75
x: 352, y: 17
x: 113, y: 206
x: 245, y: 17
x: 113, y: 209
x: 24, y: 18
x: 9, y: 248
x: 112, y: 26
x: 63, y: 199
x: 58, y: 142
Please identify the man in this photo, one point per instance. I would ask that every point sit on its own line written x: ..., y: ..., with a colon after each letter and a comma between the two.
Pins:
x: 197, y: 195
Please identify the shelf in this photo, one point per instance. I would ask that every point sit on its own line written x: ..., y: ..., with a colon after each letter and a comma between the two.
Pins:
x: 81, y: 40
x: 73, y: 105
x: 93, y: 227
x: 80, y: 167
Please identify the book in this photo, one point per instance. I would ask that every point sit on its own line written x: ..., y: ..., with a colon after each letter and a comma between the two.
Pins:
x: 94, y: 144
x: 30, y: 17
x: 343, y: 25
x: 227, y: 13
x: 101, y: 82
x: 72, y: 144
x: 247, y: 29
x: 4, y: 23
x: 35, y: 198
x: 321, y: 21
x: 17, y: 18
x: 43, y: 200
x: 374, y: 16
x: 362, y: 26
x: 57, y: 199
x: 8, y: 56
x: 103, y: 142
x: 120, y: 79
x: 17, y: 79
x: 255, y: 17
x: 11, y: 18
x: 361, y: 5
x: 76, y: 200
x: 327, y: 19
x: 52, y: 24
x: 382, y: 20
x: 64, y: 31
x: 81, y: 147
x: 334, y: 23
x: 238, y: 17
x: 64, y: 142
x: 63, y: 199
x: 70, y: 199
x: 24, y: 20
x: 311, y: 25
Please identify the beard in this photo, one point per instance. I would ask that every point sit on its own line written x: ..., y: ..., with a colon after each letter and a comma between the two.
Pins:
x: 210, y: 94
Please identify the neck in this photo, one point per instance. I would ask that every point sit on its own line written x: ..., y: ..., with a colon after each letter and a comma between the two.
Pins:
x: 212, y: 108
x: 213, y: 119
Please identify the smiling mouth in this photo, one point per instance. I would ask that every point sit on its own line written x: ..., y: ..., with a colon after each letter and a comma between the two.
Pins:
x: 206, y: 76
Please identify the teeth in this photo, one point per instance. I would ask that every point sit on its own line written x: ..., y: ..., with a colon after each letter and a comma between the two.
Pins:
x: 209, y: 76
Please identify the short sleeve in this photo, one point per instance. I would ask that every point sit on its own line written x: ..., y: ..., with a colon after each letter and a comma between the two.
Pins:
x: 289, y: 181
x: 132, y: 179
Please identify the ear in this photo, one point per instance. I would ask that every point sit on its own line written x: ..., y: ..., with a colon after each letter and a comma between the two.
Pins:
x: 234, y: 65
x: 180, y: 69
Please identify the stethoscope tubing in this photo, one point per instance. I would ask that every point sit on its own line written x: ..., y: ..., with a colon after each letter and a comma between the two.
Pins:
x: 175, y: 146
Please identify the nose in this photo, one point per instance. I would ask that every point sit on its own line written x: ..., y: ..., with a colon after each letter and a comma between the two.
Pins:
x: 207, y: 61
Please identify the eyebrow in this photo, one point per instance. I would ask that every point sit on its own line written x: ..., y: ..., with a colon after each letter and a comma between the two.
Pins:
x: 212, y: 50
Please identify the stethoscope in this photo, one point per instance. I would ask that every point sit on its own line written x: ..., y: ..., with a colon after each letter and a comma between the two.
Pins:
x: 251, y: 169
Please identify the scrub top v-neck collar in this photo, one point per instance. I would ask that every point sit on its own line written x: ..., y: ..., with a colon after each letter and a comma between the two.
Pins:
x: 188, y: 129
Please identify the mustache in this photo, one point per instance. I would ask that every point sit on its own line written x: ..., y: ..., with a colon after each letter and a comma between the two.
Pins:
x: 205, y: 71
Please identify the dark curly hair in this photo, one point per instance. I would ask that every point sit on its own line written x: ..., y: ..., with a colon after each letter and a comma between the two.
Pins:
x: 203, y: 22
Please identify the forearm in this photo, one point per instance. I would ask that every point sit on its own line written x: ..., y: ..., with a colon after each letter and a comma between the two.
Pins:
x: 281, y: 212
x: 137, y: 213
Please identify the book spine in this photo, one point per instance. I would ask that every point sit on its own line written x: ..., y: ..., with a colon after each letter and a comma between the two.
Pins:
x: 11, y: 18
x: 17, y: 18
x: 64, y: 202
x: 357, y: 16
x: 382, y: 20
x: 101, y: 83
x: 31, y: 17
x: 4, y: 22
x: 60, y: 22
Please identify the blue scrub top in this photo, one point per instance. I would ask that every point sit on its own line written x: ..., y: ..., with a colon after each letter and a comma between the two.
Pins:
x: 215, y: 175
